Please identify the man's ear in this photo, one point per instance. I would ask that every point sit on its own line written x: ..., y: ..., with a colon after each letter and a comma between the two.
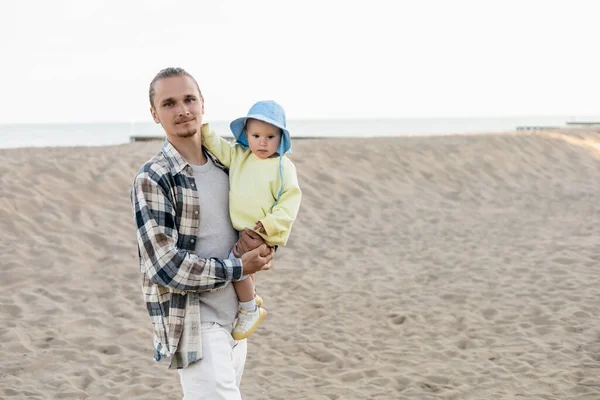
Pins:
x: 154, y: 116
x: 202, y: 102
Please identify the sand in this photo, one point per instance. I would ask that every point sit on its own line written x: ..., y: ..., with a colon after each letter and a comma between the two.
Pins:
x: 454, y: 267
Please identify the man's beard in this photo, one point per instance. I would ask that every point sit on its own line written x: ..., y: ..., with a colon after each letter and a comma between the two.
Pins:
x: 188, y: 133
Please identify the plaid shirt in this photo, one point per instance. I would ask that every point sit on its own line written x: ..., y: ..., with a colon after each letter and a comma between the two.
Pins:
x: 166, y: 210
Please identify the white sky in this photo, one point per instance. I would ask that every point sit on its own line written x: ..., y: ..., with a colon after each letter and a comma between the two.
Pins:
x: 88, y: 61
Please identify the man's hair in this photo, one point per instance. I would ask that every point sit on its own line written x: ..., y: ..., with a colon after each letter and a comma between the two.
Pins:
x: 168, y: 73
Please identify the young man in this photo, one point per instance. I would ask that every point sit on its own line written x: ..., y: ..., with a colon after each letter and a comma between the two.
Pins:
x: 184, y: 234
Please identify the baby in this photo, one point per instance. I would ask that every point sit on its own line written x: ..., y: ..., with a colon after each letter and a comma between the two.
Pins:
x: 263, y: 190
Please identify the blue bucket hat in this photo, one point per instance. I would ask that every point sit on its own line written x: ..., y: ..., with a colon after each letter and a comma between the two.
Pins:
x: 267, y: 111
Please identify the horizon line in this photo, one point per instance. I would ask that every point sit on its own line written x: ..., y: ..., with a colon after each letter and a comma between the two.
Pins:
x: 569, y: 117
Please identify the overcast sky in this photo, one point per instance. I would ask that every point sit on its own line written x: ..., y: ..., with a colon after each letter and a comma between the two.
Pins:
x: 88, y: 61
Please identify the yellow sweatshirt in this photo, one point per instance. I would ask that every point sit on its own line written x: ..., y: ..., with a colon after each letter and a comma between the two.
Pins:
x: 254, y: 184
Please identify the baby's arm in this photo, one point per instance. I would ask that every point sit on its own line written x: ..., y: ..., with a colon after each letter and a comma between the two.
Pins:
x: 278, y: 223
x: 218, y: 146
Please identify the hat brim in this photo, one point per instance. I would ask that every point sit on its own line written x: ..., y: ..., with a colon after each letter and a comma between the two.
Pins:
x: 237, y: 127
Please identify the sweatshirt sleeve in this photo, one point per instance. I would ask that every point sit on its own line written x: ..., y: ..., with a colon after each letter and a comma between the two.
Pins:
x: 218, y: 146
x: 279, y: 222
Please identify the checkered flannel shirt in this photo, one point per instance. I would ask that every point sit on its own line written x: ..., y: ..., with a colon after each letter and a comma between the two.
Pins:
x: 166, y: 211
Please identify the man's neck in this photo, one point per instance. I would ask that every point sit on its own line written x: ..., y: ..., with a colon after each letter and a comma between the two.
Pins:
x: 190, y: 149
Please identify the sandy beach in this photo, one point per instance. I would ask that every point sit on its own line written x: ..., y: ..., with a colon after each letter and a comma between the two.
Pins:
x: 451, y: 267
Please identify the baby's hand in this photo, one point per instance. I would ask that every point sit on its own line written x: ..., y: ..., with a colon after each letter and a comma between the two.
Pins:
x: 248, y: 241
x: 259, y: 227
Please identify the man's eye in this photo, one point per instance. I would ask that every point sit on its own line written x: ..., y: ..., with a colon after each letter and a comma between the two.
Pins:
x: 168, y: 104
x: 190, y: 100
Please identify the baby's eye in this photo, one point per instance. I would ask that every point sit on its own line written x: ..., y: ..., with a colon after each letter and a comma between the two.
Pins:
x: 271, y: 136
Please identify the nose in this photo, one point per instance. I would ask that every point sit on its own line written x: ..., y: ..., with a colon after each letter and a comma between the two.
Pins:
x: 183, y: 110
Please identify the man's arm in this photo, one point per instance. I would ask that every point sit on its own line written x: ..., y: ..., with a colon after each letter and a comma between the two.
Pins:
x: 218, y: 146
x: 162, y: 261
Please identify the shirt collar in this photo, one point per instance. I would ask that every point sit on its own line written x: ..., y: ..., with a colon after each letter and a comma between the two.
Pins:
x: 176, y: 161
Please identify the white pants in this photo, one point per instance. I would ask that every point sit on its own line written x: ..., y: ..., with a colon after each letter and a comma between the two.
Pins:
x: 218, y: 375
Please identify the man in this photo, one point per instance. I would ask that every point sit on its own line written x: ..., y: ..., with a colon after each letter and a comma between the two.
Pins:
x: 181, y: 208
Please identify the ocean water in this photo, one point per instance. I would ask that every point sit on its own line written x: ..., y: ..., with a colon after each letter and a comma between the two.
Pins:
x: 104, y: 134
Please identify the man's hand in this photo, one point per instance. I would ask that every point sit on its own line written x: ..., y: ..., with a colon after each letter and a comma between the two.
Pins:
x: 249, y: 240
x: 253, y: 262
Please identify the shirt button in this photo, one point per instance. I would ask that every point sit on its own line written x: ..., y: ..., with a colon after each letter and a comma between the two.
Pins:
x: 196, y: 212
x: 193, y: 240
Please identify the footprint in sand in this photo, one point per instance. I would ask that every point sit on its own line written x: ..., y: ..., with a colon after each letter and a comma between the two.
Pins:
x: 397, y: 319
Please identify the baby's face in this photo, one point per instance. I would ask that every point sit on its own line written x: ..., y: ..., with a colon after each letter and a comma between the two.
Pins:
x: 263, y: 138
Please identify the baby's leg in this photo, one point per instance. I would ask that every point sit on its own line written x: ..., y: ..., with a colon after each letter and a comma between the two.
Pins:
x: 251, y: 314
x: 245, y: 289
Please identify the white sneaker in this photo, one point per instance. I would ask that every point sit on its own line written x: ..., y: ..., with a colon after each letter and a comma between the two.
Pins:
x: 247, y: 323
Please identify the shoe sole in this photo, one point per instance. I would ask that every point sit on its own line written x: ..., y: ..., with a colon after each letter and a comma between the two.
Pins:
x: 242, y: 336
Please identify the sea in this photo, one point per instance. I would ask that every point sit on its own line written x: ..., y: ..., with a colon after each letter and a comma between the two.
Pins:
x: 108, y: 134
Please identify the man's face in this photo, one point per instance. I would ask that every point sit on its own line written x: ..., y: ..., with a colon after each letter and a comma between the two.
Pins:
x: 263, y: 138
x: 178, y: 106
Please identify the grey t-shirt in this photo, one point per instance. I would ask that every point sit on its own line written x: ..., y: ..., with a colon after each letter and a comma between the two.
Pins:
x: 216, y: 238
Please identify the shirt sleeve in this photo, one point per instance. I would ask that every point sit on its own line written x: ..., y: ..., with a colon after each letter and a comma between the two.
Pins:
x: 279, y: 222
x: 218, y: 146
x: 161, y: 260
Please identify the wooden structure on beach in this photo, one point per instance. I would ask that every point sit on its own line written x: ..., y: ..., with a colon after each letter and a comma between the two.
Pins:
x: 537, y: 128
x: 146, y: 138
x: 589, y: 123
x: 569, y: 124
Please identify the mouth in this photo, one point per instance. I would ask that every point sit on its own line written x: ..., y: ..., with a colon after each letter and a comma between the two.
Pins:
x: 184, y: 122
